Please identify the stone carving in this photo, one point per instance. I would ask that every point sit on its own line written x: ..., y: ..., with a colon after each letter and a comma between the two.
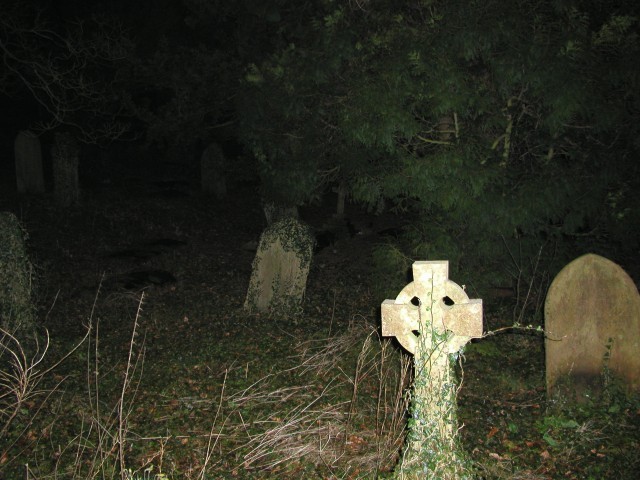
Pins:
x: 65, y: 154
x: 280, y: 268
x: 212, y: 171
x: 16, y: 309
x: 28, y: 157
x: 592, y: 325
x: 432, y: 318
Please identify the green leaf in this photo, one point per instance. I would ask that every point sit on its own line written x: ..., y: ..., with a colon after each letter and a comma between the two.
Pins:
x: 550, y: 441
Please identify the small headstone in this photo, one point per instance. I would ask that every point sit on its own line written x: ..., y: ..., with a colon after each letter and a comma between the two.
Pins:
x: 28, y: 153
x: 432, y: 318
x: 280, y: 268
x: 16, y: 309
x: 212, y: 171
x: 65, y: 154
x: 592, y: 324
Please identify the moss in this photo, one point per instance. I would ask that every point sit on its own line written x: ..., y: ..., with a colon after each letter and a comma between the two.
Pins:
x: 16, y: 309
x: 280, y: 269
x: 294, y: 237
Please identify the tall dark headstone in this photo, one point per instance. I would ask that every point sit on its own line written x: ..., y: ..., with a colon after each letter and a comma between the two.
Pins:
x: 212, y: 171
x: 65, y: 156
x: 28, y: 158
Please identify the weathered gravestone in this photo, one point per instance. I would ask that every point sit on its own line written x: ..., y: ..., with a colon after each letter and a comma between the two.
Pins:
x: 16, y: 309
x: 280, y: 268
x: 592, y: 325
x: 432, y: 318
x: 28, y: 157
x: 65, y: 154
x: 212, y: 171
x: 274, y: 212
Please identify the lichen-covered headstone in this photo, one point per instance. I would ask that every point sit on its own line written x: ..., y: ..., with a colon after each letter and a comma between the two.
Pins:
x: 280, y: 268
x: 432, y: 318
x: 65, y: 154
x: 28, y: 153
x: 274, y: 212
x: 592, y: 325
x: 16, y: 309
x: 212, y: 171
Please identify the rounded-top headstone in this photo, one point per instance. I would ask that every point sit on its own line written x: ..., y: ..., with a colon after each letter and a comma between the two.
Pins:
x: 592, y: 324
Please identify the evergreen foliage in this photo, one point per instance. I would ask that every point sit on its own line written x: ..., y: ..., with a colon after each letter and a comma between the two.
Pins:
x: 500, y: 127
x: 496, y: 124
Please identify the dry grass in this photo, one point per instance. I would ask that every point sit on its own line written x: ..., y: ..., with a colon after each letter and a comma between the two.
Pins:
x: 340, y: 407
x: 22, y: 377
x: 337, y: 419
x: 99, y: 447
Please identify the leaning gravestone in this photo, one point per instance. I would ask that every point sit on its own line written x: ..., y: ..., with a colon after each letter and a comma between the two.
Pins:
x: 64, y: 155
x: 16, y: 310
x: 212, y: 171
x: 592, y: 324
x: 28, y: 153
x: 274, y: 212
x: 280, y: 268
x: 432, y: 318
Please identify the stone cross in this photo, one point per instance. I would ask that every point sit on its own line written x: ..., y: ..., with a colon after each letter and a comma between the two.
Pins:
x: 432, y: 318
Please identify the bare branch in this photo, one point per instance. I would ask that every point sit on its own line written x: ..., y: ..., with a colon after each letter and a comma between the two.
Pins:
x: 71, y: 74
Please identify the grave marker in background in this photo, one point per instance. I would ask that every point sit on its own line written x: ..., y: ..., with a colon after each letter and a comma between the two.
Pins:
x: 212, y: 171
x: 592, y: 325
x: 432, y: 318
x: 65, y: 156
x: 28, y: 157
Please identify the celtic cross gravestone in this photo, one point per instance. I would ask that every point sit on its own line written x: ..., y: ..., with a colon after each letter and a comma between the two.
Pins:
x: 432, y: 318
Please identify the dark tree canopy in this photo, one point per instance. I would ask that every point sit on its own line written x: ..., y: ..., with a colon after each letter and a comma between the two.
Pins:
x: 67, y: 66
x: 500, y: 126
x: 497, y: 124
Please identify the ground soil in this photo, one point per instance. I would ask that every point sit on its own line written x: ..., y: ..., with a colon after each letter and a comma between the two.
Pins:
x: 191, y: 256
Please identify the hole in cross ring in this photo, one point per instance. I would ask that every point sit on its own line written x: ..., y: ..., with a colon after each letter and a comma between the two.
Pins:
x: 448, y: 301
